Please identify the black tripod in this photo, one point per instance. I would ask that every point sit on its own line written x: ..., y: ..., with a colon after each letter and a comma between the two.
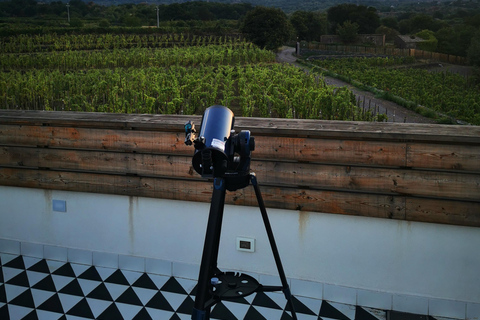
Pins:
x: 214, y: 285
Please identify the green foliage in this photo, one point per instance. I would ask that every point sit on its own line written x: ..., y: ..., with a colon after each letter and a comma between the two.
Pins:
x: 266, y: 27
x: 473, y: 53
x: 348, y: 32
x: 389, y: 33
x: 428, y: 92
x: 430, y: 43
x: 309, y: 26
x: 365, y: 17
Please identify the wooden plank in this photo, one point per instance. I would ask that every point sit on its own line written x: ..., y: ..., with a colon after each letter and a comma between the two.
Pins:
x: 295, y: 149
x: 443, y: 211
x: 178, y: 167
x: 286, y: 174
x: 432, y: 184
x: 331, y: 151
x: 95, y: 139
x: 351, y: 130
x: 443, y: 157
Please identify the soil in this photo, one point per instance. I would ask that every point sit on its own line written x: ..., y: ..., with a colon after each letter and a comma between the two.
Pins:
x: 394, y: 112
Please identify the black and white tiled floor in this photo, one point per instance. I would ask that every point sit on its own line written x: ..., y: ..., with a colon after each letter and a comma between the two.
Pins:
x: 32, y: 288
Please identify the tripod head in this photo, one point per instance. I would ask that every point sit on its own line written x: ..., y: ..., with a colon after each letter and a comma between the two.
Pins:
x: 219, y: 151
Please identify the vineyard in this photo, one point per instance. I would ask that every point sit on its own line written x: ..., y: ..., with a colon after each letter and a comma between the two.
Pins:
x: 443, y: 92
x: 169, y: 74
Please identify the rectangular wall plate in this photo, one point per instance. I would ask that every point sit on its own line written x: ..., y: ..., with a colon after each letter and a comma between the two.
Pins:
x: 59, y: 205
x: 245, y: 244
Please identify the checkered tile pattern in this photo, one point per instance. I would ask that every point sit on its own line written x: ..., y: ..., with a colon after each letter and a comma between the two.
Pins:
x: 32, y: 288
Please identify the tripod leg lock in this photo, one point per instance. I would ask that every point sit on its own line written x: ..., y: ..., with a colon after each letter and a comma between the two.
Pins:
x: 198, y: 314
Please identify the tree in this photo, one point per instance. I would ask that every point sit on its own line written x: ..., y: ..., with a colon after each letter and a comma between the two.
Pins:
x: 348, y: 32
x: 473, y: 52
x: 430, y: 43
x: 266, y: 27
x: 389, y: 33
x: 366, y: 18
x: 308, y: 25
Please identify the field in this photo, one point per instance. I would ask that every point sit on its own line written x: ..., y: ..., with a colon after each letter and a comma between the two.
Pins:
x: 436, y: 94
x: 158, y: 73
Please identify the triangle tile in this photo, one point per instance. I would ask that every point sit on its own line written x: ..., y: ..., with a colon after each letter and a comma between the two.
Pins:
x: 12, y: 291
x: 3, y: 294
x: 24, y: 299
x: 65, y: 270
x: 159, y: 302
x: 159, y: 313
x: 78, y: 269
x: 64, y: 317
x: 31, y: 316
x: 130, y: 297
x: 9, y: 273
x: 46, y: 284
x: 90, y: 274
x: 362, y: 313
x: 145, y: 282
x: 73, y: 288
x: 144, y: 295
x: 87, y: 285
x: 6, y: 257
x: 172, y: 285
x: 4, y: 314
x: 30, y: 261
x: 34, y: 277
x: 287, y: 316
x: 310, y: 303
x: 174, y: 299
x: 1, y: 275
x: 187, y: 284
x: 299, y: 307
x: 60, y: 281
x: 105, y: 272
x: 20, y: 280
x: 16, y: 263
x: 131, y: 276
x: 118, y: 278
x: 128, y: 311
x: 159, y: 280
x: 346, y: 309
x: 40, y: 266
x: 187, y: 306
x: 142, y: 315
x: 98, y: 306
x: 116, y: 290
x: 48, y: 315
x: 238, y: 309
x: 53, y: 265
x: 111, y: 312
x: 221, y: 312
x: 253, y: 314
x: 175, y: 317
x: 100, y: 292
x: 183, y: 316
x: 81, y: 309
x: 53, y: 304
x: 262, y: 300
x: 269, y: 313
x: 327, y: 310
x: 18, y: 312
x: 68, y: 300
x: 40, y: 296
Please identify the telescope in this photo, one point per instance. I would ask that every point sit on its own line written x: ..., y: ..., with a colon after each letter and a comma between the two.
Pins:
x: 219, y: 151
x: 225, y: 156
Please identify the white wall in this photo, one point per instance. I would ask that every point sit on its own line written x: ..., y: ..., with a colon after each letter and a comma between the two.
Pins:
x: 397, y: 257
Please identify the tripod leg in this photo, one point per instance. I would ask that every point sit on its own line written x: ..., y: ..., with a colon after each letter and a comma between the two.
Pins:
x: 273, y: 245
x: 208, y: 265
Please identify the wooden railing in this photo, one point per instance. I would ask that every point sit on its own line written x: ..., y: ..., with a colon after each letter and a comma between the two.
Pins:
x: 413, y: 172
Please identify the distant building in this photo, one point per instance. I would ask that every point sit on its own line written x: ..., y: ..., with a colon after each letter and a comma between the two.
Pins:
x: 407, y: 41
x: 375, y: 39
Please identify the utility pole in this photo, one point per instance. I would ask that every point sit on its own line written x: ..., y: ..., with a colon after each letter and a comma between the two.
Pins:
x: 158, y: 19
x: 68, y: 11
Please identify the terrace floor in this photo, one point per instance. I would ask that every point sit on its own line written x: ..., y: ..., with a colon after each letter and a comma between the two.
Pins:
x: 32, y: 288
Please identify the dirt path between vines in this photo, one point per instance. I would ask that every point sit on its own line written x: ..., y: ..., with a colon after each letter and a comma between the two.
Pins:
x: 394, y: 112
